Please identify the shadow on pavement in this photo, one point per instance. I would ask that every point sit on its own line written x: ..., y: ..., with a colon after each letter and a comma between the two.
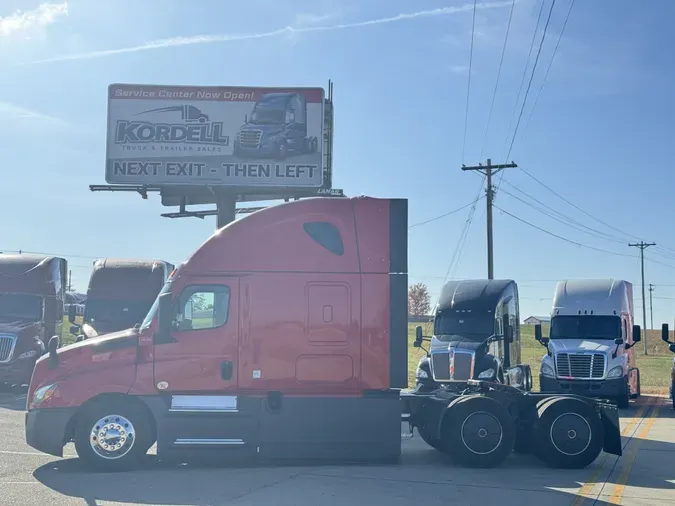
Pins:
x: 13, y: 397
x: 212, y: 482
x: 205, y: 482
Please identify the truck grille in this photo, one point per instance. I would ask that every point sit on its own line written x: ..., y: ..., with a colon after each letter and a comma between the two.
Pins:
x: 460, y: 362
x: 580, y: 365
x: 250, y: 139
x: 440, y: 366
x: 7, y: 342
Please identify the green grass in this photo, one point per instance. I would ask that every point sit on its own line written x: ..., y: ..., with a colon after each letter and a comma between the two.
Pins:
x: 66, y: 336
x: 655, y: 368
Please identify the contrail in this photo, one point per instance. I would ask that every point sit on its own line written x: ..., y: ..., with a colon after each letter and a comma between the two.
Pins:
x: 209, y: 39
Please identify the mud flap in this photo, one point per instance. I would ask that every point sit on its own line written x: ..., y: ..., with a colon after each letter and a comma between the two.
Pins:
x: 609, y: 414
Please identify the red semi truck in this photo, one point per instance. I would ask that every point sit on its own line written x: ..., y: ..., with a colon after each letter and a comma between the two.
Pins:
x: 285, y: 336
x: 119, y: 295
x: 32, y: 292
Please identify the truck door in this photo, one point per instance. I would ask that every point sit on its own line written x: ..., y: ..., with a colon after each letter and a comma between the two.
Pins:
x: 202, y: 356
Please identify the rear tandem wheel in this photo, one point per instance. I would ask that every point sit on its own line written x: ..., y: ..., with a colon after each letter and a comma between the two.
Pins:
x: 478, y: 431
x: 568, y: 433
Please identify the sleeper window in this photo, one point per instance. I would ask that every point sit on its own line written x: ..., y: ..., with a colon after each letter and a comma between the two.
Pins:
x: 202, y: 307
x: 326, y: 234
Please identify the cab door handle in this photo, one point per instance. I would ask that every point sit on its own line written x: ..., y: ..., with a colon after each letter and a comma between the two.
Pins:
x: 226, y: 368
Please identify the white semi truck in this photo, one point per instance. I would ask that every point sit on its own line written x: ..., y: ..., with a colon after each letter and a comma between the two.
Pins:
x: 589, y: 350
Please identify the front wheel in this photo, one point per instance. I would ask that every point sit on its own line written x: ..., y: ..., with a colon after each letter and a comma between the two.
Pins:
x: 623, y: 400
x: 112, y: 435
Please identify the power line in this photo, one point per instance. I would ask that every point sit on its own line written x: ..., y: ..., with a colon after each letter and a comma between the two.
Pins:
x: 499, y: 73
x: 444, y: 214
x: 576, y: 206
x: 522, y: 80
x: 561, y: 217
x: 569, y: 221
x: 529, y: 84
x: 564, y: 238
x: 550, y: 64
x: 468, y: 83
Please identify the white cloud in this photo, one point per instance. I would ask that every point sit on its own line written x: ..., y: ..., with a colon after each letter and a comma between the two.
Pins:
x: 12, y: 112
x: 25, y: 22
x: 286, y: 31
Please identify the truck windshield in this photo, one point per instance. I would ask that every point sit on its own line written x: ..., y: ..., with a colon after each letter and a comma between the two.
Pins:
x: 472, y: 326
x: 585, y: 327
x: 264, y: 116
x: 20, y: 306
x: 112, y: 315
x: 153, y: 309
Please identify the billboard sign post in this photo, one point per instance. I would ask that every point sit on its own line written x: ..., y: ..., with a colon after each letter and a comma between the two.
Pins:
x: 244, y: 139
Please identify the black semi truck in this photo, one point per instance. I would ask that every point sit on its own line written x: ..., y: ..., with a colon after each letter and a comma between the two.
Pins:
x: 476, y: 336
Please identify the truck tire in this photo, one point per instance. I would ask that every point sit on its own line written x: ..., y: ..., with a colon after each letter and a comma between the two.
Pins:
x: 478, y: 432
x: 112, y: 435
x: 428, y: 439
x: 568, y: 433
x: 623, y: 400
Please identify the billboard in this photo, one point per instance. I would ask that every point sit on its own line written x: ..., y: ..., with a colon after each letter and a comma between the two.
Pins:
x: 263, y: 138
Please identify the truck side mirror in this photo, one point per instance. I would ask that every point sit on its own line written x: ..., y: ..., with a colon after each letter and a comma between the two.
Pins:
x: 637, y: 335
x: 164, y: 318
x: 418, y: 337
x: 509, y: 333
x: 665, y: 333
x: 618, y: 340
x: 537, y: 332
x: 52, y: 348
x: 538, y: 336
x: 71, y: 313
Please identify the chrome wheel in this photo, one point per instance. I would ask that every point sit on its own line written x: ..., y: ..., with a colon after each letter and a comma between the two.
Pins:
x: 112, y: 437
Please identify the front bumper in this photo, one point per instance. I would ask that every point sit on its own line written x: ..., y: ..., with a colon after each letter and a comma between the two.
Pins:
x: 607, y: 388
x: 17, y: 372
x: 46, y: 429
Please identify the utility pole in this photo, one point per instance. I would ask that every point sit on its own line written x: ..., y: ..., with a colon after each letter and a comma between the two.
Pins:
x: 651, y: 308
x: 489, y: 170
x: 643, y: 245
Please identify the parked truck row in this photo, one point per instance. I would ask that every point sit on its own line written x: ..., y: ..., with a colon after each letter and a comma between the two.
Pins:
x: 285, y: 336
x: 589, y: 350
x: 32, y: 296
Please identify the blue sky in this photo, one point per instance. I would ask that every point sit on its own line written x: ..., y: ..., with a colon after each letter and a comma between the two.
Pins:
x: 599, y: 135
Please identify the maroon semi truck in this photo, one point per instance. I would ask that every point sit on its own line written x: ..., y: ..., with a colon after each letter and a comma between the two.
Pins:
x: 32, y: 293
x: 119, y: 295
x: 285, y: 336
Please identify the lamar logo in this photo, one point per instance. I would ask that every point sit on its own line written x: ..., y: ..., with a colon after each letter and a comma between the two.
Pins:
x: 195, y: 128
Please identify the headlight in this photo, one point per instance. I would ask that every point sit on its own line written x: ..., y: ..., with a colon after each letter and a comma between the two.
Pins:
x: 42, y: 394
x: 547, y: 370
x: 421, y: 373
x: 487, y: 374
x: 28, y: 354
x: 615, y: 372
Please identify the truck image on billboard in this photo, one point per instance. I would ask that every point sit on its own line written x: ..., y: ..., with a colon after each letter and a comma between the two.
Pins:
x: 221, y: 136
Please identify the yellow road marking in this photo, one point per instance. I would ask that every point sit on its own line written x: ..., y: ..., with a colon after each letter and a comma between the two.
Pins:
x: 590, y: 483
x: 620, y: 486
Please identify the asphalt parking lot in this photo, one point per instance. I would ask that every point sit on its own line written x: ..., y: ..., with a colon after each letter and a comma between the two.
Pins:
x: 645, y: 474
